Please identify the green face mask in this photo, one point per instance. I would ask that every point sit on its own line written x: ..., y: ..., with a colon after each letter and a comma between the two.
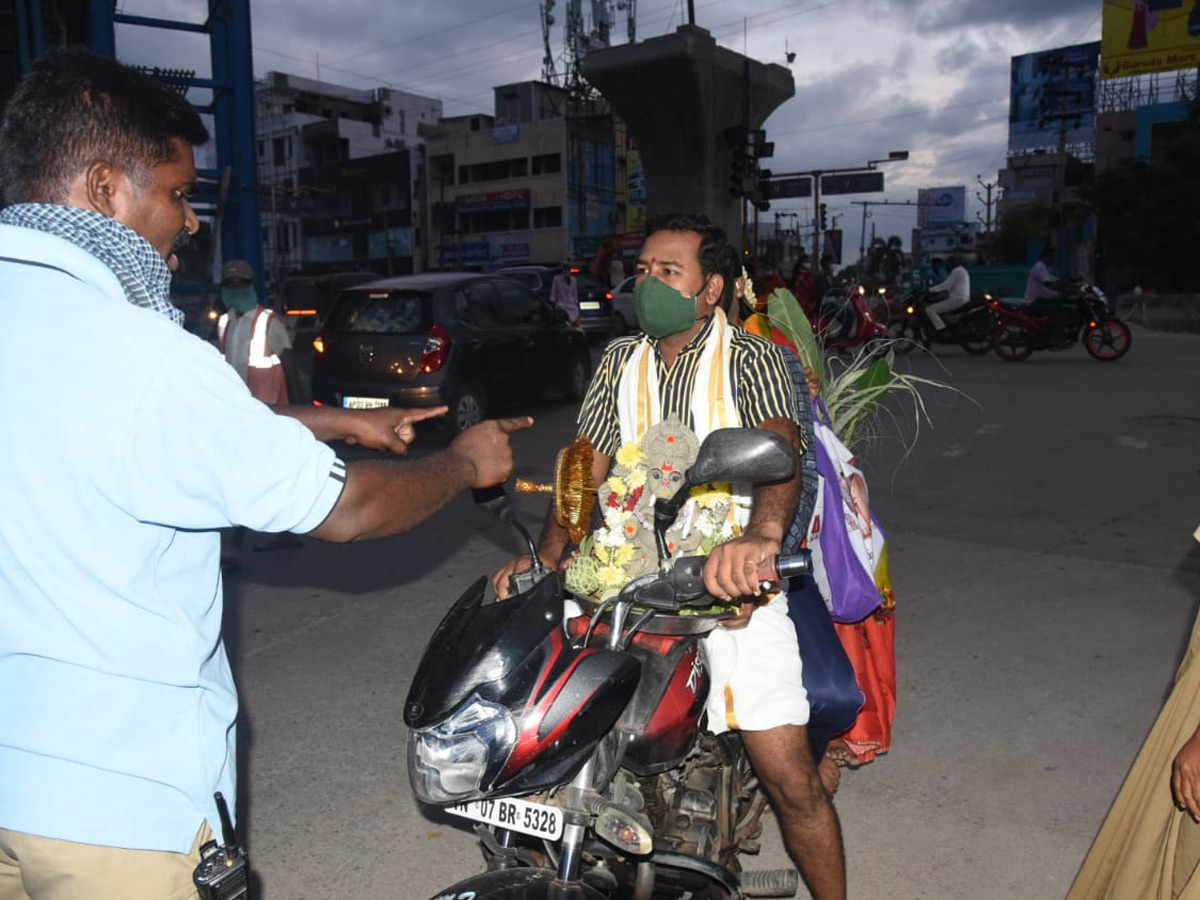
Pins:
x: 663, y: 310
x: 242, y: 299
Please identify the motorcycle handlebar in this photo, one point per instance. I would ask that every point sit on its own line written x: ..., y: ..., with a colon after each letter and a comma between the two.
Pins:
x: 687, y: 578
x: 780, y: 568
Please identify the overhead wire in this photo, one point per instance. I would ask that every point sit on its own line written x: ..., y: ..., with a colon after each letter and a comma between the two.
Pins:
x: 428, y: 34
x: 481, y: 52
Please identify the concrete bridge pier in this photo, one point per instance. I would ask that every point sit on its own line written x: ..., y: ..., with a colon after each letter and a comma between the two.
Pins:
x: 677, y: 94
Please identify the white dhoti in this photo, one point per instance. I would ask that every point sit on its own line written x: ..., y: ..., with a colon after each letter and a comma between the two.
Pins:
x: 756, y: 673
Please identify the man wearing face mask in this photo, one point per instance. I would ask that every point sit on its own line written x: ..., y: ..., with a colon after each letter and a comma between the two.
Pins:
x: 693, y: 364
x: 253, y: 338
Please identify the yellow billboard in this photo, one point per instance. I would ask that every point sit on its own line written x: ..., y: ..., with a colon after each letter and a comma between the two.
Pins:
x: 1143, y: 36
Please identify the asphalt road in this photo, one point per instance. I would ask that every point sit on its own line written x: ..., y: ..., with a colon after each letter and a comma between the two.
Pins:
x: 1046, y: 581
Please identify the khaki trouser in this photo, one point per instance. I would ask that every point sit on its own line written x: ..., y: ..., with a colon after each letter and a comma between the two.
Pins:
x: 941, y: 306
x: 37, y: 868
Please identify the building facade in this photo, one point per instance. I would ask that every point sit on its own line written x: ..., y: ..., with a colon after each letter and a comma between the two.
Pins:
x: 339, y: 169
x: 535, y: 183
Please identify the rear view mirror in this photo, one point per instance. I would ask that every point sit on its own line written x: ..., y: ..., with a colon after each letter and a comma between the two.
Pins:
x: 742, y: 454
x: 728, y: 454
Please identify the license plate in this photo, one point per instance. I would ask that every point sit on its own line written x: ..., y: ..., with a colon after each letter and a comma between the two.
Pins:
x: 364, y: 402
x: 590, y: 304
x: 536, y: 819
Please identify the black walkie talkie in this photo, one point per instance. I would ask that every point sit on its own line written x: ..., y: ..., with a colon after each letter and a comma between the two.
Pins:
x: 224, y: 871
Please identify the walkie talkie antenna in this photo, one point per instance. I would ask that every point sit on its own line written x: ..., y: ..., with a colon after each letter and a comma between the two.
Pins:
x: 227, y: 832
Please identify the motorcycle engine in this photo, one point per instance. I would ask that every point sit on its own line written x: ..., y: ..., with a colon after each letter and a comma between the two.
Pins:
x: 709, y: 807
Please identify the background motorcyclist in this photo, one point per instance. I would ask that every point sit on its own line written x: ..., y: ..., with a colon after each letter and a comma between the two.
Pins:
x: 843, y: 312
x: 825, y: 277
x: 937, y: 269
x: 958, y: 287
x: 1043, y: 292
x: 804, y: 285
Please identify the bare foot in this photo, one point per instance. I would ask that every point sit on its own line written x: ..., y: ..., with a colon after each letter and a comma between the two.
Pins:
x: 841, y: 754
x: 830, y: 774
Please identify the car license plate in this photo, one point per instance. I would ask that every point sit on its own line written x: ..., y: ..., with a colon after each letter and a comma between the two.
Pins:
x: 525, y: 816
x: 364, y: 402
x: 589, y: 304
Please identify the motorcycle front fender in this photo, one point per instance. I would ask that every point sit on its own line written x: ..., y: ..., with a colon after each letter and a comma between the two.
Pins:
x: 521, y: 883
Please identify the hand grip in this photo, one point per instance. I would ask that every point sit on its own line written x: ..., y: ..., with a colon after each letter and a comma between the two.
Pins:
x: 780, y: 568
x: 495, y: 500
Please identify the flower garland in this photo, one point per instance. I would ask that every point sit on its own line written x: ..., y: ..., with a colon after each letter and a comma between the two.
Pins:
x: 622, y: 546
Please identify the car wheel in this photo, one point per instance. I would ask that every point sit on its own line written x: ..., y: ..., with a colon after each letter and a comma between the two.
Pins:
x: 466, y: 409
x: 578, y: 380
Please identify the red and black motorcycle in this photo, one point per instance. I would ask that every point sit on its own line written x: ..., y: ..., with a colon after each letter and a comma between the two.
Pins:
x: 1084, y: 315
x: 576, y: 742
x: 847, y: 322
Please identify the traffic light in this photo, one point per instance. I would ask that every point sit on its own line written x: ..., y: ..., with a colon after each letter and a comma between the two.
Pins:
x: 735, y: 140
x: 757, y: 145
x: 762, y: 190
x: 824, y: 221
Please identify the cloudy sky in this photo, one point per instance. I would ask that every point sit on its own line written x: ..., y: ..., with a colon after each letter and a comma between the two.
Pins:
x: 872, y: 76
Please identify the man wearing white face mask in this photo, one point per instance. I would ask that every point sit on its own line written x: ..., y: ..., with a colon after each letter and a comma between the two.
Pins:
x: 254, y: 339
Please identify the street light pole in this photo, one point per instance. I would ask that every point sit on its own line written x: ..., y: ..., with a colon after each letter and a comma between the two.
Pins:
x: 862, y: 239
x: 816, y: 256
x: 988, y: 202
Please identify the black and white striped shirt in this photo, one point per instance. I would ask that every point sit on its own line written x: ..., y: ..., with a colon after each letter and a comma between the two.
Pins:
x: 762, y: 385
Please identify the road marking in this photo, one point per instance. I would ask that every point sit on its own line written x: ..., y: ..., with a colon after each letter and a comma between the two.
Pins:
x: 1124, y: 440
x: 989, y: 428
x: 954, y: 451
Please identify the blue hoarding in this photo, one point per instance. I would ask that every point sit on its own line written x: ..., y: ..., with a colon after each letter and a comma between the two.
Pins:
x: 1053, y: 97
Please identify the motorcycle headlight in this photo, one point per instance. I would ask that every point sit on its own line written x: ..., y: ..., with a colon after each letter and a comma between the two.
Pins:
x: 447, y: 763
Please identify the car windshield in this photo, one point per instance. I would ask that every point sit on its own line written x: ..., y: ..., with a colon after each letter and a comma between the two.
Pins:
x: 529, y: 279
x: 382, y: 312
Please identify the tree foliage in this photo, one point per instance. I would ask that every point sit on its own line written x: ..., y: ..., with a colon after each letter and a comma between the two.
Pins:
x: 885, y: 259
x: 1147, y: 213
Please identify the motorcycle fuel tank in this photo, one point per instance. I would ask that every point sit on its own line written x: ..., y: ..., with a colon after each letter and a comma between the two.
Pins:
x: 664, y: 715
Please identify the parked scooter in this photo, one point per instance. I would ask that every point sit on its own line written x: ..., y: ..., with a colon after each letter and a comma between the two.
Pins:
x: 1084, y: 315
x: 970, y: 326
x: 846, y: 321
x: 576, y: 742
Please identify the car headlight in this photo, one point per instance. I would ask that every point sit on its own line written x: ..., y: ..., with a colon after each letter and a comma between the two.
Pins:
x: 447, y: 763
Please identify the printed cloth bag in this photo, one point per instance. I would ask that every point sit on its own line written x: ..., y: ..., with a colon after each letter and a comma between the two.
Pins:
x: 845, y: 540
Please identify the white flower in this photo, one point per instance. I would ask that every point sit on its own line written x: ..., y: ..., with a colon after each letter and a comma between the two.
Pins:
x: 614, y: 519
x: 611, y: 537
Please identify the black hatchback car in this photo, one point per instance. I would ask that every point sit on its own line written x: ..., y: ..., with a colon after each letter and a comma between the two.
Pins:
x: 472, y: 342
x: 595, y: 306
